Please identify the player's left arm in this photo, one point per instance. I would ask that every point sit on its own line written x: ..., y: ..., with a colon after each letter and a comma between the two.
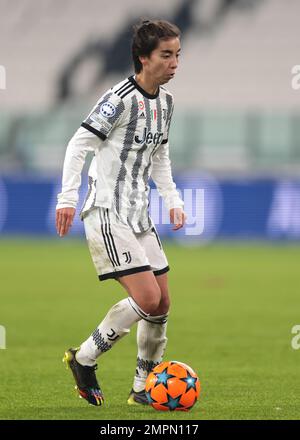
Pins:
x: 162, y: 177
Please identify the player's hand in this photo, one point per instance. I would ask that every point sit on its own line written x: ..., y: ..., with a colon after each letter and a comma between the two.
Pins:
x: 64, y: 220
x: 177, y: 218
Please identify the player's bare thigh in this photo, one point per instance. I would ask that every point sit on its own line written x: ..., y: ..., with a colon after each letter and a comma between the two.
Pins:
x: 148, y: 291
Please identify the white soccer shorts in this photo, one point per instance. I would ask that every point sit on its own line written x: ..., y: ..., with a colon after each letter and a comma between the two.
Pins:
x: 117, y: 251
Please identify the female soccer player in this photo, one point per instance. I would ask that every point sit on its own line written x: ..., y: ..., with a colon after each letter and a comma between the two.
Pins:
x: 128, y: 132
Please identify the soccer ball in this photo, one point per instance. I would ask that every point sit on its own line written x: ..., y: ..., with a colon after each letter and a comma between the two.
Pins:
x: 172, y: 386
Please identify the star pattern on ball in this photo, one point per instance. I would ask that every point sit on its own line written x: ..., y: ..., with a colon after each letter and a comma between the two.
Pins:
x: 173, y: 404
x: 162, y: 378
x: 150, y: 400
x: 190, y: 382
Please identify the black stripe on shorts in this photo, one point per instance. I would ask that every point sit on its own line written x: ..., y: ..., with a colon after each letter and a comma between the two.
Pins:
x: 106, y: 215
x: 161, y: 271
x: 107, y: 241
x: 157, y: 237
x: 122, y: 273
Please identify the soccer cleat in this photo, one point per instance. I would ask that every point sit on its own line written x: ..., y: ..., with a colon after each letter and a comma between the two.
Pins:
x: 136, y: 398
x: 85, y: 378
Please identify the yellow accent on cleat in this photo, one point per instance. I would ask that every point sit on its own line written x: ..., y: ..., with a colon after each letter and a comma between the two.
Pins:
x: 131, y: 400
x: 67, y: 358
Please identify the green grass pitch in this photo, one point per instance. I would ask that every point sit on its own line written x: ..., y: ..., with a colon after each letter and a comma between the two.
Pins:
x: 233, y: 308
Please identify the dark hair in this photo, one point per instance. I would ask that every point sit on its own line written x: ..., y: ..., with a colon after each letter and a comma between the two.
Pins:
x: 146, y: 37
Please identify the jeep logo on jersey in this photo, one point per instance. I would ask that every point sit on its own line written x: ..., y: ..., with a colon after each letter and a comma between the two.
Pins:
x: 149, y: 138
x: 108, y: 110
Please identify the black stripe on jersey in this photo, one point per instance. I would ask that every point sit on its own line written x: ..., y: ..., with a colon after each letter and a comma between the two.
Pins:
x: 122, y: 87
x: 156, y: 235
x: 125, y: 93
x: 106, y: 239
x: 106, y: 215
x: 126, y: 148
x: 164, y: 141
x: 94, y: 131
x: 128, y: 85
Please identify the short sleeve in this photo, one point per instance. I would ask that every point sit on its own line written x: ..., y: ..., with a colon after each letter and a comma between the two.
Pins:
x: 105, y: 115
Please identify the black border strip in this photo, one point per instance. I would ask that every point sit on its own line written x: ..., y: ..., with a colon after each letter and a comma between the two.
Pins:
x: 193, y: 428
x: 102, y: 136
x: 121, y: 273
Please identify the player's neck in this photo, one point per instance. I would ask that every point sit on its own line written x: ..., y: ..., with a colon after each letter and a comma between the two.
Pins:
x: 146, y: 84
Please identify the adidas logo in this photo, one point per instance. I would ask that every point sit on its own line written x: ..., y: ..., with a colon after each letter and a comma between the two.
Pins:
x: 142, y: 115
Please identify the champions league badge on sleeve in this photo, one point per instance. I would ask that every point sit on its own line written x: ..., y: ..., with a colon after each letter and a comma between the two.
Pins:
x: 108, y: 110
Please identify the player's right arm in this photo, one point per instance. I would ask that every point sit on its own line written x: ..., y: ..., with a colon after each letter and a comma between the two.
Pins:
x: 81, y: 143
x: 104, y: 117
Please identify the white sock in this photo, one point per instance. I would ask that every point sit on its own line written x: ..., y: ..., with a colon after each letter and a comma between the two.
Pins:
x: 152, y: 341
x: 114, y: 326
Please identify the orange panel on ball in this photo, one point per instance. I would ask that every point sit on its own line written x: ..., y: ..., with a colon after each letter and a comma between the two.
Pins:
x: 159, y: 368
x: 189, y: 399
x: 159, y: 393
x: 176, y: 387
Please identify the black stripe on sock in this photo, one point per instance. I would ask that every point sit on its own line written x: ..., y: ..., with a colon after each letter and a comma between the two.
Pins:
x: 137, y: 309
x: 158, y: 320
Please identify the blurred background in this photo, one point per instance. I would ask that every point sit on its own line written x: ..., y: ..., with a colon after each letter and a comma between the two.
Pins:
x: 235, y: 134
x: 236, y: 126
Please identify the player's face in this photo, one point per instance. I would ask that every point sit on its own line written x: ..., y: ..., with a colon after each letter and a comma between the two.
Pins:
x: 163, y: 61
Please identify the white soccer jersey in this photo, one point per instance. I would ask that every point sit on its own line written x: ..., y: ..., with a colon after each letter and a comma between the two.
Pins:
x: 128, y: 132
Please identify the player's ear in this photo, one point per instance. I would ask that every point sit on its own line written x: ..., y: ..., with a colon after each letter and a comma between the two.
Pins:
x: 143, y: 60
